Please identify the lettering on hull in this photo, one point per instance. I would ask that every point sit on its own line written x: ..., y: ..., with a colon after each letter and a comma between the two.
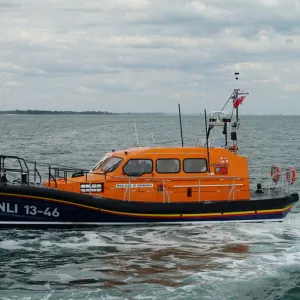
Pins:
x: 14, y: 208
x: 10, y: 208
x: 134, y: 185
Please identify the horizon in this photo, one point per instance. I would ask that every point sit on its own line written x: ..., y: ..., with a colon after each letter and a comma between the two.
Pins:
x: 105, y: 113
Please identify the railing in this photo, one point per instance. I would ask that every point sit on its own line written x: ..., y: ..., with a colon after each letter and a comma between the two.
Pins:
x: 18, y: 165
x: 212, y: 142
x: 168, y: 186
x: 271, y: 183
x: 67, y: 173
x: 279, y: 188
x: 282, y: 183
x: 26, y: 172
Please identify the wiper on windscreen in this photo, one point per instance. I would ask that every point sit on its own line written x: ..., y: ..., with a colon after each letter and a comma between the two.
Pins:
x: 112, y: 168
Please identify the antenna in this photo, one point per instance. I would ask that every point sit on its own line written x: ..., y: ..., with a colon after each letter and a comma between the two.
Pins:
x: 136, y: 135
x: 180, y: 124
x: 153, y: 139
x: 209, y: 101
x: 206, y: 136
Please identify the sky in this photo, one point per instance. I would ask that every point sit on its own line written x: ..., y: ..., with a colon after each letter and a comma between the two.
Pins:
x: 149, y: 55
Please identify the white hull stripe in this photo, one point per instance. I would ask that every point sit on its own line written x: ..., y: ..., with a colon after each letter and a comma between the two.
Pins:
x: 135, y: 223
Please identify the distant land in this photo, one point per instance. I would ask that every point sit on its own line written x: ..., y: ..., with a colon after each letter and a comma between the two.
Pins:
x: 92, y: 112
x: 52, y: 112
x: 69, y: 112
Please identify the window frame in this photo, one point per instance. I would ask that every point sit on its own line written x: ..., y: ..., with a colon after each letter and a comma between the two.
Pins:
x: 194, y: 159
x: 168, y: 159
x: 138, y: 159
x: 111, y: 157
x: 101, y: 162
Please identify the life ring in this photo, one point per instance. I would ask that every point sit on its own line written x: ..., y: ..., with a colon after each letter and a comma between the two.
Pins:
x: 291, y: 175
x: 275, y: 173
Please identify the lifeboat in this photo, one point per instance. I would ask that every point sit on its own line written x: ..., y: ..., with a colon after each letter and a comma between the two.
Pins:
x: 208, y: 182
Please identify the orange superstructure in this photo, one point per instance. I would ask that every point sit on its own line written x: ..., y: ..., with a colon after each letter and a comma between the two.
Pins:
x: 174, y: 174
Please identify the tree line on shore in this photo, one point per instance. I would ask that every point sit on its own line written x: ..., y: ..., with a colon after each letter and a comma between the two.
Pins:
x: 53, y: 112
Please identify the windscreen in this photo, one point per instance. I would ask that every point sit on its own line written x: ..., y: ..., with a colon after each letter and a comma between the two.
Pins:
x: 100, y: 163
x: 111, y: 164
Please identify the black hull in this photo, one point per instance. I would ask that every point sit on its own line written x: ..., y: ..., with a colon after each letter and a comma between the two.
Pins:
x: 25, y: 206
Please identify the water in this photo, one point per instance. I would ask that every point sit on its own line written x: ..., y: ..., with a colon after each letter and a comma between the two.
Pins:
x: 224, y: 261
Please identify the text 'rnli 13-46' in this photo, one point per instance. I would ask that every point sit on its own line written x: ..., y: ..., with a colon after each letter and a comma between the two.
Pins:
x: 15, y: 208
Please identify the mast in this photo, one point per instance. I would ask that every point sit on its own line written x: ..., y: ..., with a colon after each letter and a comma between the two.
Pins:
x: 219, y: 118
x: 136, y: 134
x: 237, y: 98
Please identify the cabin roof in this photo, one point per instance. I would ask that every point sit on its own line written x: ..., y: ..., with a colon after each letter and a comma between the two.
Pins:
x: 164, y: 150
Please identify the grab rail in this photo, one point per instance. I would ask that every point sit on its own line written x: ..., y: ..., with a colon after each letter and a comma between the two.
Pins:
x: 22, y: 170
x: 130, y: 187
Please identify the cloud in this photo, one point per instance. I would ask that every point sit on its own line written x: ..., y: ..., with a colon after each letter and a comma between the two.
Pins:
x: 12, y: 84
x: 133, y: 55
x: 84, y: 90
x: 292, y: 87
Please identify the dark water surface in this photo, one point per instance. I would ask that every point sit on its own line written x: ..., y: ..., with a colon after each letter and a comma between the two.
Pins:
x: 223, y: 261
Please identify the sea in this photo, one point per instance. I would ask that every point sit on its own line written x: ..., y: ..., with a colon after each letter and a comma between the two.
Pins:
x: 232, y: 261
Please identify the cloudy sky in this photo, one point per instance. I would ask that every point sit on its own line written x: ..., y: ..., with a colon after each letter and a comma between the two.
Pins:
x: 148, y: 55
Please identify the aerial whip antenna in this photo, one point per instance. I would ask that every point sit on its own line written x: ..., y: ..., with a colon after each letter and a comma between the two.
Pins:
x: 136, y: 135
x: 206, y: 138
x: 180, y: 124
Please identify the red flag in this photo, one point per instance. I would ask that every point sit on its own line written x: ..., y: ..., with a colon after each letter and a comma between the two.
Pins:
x: 238, y: 101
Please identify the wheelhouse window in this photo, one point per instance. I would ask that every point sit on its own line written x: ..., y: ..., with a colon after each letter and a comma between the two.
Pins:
x: 111, y: 164
x: 195, y: 165
x: 138, y: 167
x: 100, y: 163
x: 168, y: 165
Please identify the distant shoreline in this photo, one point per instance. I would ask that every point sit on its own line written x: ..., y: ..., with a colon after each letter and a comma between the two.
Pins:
x: 96, y: 113
x: 66, y: 112
x: 52, y: 112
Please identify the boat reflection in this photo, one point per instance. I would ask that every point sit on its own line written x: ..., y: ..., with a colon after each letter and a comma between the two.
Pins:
x: 169, y: 266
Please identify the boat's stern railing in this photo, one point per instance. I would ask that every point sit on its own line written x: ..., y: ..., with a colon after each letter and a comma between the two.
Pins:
x: 17, y: 170
x: 27, y: 170
x: 280, y: 180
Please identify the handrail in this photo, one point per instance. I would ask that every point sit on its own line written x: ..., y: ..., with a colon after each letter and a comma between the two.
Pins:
x: 232, y: 191
x: 36, y: 172
x: 179, y: 177
x: 207, y: 185
x: 51, y: 177
x: 165, y: 190
x: 202, y: 182
x: 22, y: 170
x: 125, y: 192
x: 284, y: 183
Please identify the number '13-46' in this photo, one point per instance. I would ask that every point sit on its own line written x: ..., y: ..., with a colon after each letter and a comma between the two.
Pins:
x: 32, y: 210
